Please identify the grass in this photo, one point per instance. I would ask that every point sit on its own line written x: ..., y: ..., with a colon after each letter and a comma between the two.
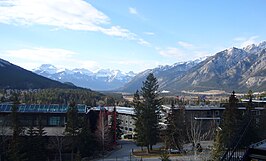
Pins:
x: 153, y: 153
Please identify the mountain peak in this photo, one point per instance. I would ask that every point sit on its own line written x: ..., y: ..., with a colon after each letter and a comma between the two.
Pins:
x: 104, y: 79
x: 16, y: 77
x: 4, y: 63
x: 232, y: 68
x: 48, y: 68
x: 262, y: 45
x: 253, y: 48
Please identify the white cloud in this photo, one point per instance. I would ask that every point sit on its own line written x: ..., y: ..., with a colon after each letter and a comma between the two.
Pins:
x: 67, y: 14
x: 133, y: 11
x: 189, y: 52
x: 149, y: 33
x: 33, y: 57
x: 185, y: 44
x: 143, y: 42
x: 172, y: 52
x: 138, y: 65
x: 120, y: 32
x: 245, y: 41
x: 74, y: 15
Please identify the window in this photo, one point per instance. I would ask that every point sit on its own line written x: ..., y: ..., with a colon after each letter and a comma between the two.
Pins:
x: 125, y: 128
x: 54, y: 121
x: 130, y: 129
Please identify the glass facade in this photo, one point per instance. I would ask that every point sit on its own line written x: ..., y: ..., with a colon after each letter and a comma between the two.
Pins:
x: 54, y: 121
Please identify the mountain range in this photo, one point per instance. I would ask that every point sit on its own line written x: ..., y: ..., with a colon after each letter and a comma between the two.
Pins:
x: 231, y: 69
x: 15, y: 77
x: 103, y: 80
x: 237, y: 69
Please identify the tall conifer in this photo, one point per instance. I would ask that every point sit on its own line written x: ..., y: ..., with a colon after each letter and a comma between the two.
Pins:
x: 148, y: 113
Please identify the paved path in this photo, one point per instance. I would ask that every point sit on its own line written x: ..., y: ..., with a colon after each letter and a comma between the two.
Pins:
x: 123, y: 154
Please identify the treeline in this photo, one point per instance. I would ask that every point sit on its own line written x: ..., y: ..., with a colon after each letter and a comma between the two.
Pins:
x: 62, y: 96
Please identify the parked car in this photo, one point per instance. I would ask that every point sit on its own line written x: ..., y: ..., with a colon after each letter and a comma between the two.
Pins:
x: 174, y: 151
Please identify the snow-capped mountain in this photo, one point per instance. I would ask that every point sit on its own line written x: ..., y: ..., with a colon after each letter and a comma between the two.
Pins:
x: 238, y: 69
x: 15, y: 77
x: 164, y: 74
x: 104, y: 79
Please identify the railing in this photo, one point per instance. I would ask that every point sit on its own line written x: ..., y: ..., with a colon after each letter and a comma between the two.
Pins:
x: 235, y: 152
x: 249, y: 150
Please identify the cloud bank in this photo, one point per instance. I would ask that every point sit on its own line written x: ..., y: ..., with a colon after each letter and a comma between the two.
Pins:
x: 66, y: 14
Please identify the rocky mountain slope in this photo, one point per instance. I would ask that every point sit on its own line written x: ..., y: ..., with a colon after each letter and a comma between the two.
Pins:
x: 15, y: 77
x: 231, y: 69
x: 103, y: 80
x: 164, y: 75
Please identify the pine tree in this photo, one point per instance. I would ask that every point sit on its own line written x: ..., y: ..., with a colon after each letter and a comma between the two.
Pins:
x: 72, y: 126
x: 252, y: 133
x: 15, y: 151
x: 175, y: 130
x: 147, y: 123
x: 40, y: 141
x: 230, y: 121
x: 139, y: 126
x: 87, y: 143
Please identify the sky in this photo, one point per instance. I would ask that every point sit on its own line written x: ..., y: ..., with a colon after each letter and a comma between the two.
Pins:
x: 129, y: 35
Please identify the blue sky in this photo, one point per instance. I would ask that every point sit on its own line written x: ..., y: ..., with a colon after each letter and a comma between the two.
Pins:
x: 130, y: 35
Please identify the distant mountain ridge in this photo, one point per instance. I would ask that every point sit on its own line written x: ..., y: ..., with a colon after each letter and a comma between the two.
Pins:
x: 15, y: 77
x: 231, y: 69
x: 164, y: 74
x: 103, y: 80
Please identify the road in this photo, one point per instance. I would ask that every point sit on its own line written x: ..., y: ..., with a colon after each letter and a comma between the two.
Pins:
x: 124, y: 154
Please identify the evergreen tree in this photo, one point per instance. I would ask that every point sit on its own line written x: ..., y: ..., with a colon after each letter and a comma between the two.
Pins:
x: 40, y: 141
x: 72, y: 126
x: 252, y: 135
x: 262, y: 125
x: 139, y: 126
x: 87, y: 143
x: 230, y: 121
x: 78, y: 157
x: 16, y: 152
x: 175, y: 130
x: 149, y: 113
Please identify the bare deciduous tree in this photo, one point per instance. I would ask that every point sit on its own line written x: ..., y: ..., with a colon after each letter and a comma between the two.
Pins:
x: 196, y: 135
x: 57, y: 142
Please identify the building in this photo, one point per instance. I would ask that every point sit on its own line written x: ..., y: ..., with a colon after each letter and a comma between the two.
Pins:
x: 53, y: 117
x: 126, y: 115
x: 256, y: 152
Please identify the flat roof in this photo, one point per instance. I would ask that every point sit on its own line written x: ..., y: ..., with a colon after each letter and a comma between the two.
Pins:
x: 260, y: 145
x: 122, y: 110
x: 207, y: 118
x: 37, y: 108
